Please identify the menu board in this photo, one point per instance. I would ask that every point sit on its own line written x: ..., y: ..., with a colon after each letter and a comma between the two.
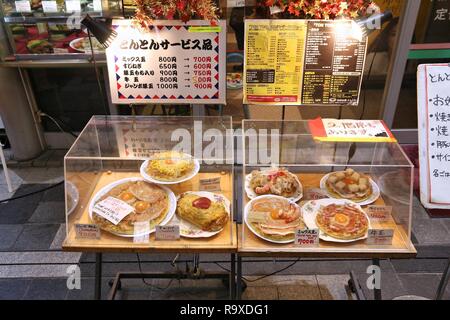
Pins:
x: 434, y: 134
x: 170, y: 62
x: 303, y: 62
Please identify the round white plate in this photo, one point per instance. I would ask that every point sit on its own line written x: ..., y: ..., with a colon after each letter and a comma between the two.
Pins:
x: 188, y: 230
x: 252, y: 195
x: 249, y: 225
x: 171, y: 209
x: 74, y: 195
x: 85, y: 50
x: 311, y: 208
x: 149, y: 178
x: 373, y: 197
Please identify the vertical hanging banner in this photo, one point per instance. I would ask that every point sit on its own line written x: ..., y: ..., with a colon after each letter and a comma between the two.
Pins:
x: 303, y: 62
x: 433, y: 102
x: 170, y: 62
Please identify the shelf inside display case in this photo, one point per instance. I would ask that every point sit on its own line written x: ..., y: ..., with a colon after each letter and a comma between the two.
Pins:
x: 333, y: 188
x: 129, y: 163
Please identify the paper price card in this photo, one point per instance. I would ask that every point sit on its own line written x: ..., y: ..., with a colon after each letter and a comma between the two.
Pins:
x: 379, y: 213
x: 314, y: 194
x: 23, y: 6
x: 87, y: 231
x: 380, y: 237
x: 141, y: 231
x: 73, y: 5
x: 113, y: 210
x: 211, y: 184
x: 307, y: 238
x: 167, y: 232
x: 49, y: 6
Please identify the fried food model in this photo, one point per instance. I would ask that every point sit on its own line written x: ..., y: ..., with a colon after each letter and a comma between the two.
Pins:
x: 350, y: 185
x: 275, y: 218
x: 202, y: 212
x: 344, y: 222
x: 150, y: 202
x: 279, y: 182
x: 170, y: 166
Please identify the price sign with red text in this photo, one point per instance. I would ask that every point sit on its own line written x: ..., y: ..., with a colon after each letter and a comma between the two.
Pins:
x: 307, y: 238
x: 168, y: 62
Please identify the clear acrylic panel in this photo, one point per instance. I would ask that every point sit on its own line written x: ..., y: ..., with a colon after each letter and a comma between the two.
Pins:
x: 166, y: 171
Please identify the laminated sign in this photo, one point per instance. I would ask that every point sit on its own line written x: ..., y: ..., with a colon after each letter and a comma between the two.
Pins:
x: 307, y: 62
x: 170, y: 62
x: 433, y: 94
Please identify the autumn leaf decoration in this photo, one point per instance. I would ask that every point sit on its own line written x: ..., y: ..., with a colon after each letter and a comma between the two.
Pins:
x: 185, y: 10
x: 321, y: 9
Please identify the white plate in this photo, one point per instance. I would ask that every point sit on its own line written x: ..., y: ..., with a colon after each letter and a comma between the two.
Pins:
x: 188, y: 230
x: 171, y: 209
x: 311, y: 208
x: 149, y: 178
x: 249, y: 225
x: 74, y: 195
x: 85, y: 50
x: 373, y: 197
x: 252, y: 195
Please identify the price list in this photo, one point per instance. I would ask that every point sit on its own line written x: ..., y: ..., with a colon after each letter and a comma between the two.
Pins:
x: 334, y: 63
x: 167, y: 64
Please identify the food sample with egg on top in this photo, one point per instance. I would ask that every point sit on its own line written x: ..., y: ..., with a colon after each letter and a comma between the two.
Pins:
x: 344, y: 222
x: 204, y: 213
x: 350, y: 185
x: 150, y: 202
x: 170, y: 166
x: 274, y: 218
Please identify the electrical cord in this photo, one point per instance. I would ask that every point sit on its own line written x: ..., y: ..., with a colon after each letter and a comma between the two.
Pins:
x: 43, y: 114
x: 262, y: 277
x: 149, y: 284
x: 32, y: 193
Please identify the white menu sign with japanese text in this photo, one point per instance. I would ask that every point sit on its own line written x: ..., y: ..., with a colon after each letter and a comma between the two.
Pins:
x: 170, y: 62
x: 433, y: 94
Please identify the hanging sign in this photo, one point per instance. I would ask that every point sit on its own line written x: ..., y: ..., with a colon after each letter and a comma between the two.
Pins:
x: 333, y: 130
x: 170, y: 62
x: 307, y: 62
x: 433, y: 101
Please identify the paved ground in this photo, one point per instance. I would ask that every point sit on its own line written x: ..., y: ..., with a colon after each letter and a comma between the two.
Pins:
x: 32, y: 265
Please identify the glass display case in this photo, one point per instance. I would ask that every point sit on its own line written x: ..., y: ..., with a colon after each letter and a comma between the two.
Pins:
x: 151, y: 183
x: 41, y: 29
x: 331, y: 198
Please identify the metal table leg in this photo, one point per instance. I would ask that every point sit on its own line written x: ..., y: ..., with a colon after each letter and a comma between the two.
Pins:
x: 232, y: 276
x: 444, y: 282
x: 377, y: 291
x: 239, y: 278
x: 98, y: 276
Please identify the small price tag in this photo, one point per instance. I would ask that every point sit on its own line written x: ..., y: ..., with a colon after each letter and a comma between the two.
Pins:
x: 379, y: 213
x: 97, y: 5
x: 23, y: 6
x: 235, y: 3
x: 315, y: 194
x: 49, y: 6
x: 380, y: 237
x: 87, y: 231
x: 211, y: 184
x: 113, y: 210
x: 307, y: 238
x: 60, y: 50
x: 73, y: 5
x: 141, y: 231
x: 167, y: 232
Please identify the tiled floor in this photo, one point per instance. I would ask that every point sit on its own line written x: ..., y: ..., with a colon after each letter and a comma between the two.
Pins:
x: 32, y: 265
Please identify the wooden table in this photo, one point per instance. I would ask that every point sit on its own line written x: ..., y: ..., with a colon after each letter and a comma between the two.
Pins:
x: 89, y: 184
